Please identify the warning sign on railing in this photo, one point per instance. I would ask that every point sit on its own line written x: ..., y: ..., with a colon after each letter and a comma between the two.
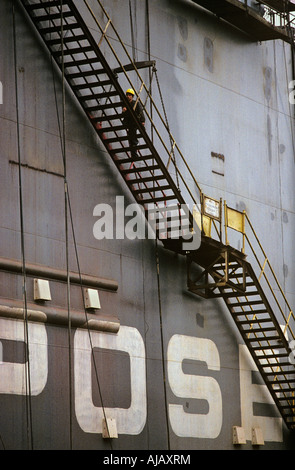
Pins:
x: 211, y: 207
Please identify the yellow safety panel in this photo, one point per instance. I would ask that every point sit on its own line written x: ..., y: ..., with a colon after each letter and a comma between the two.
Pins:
x: 235, y: 220
x: 207, y: 222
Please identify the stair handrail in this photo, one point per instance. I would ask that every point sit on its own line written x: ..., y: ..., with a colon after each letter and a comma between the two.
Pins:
x: 104, y: 36
x: 245, y: 235
x: 143, y: 85
x: 175, y: 146
x: 262, y: 265
x: 286, y: 328
x: 266, y: 262
x: 274, y: 12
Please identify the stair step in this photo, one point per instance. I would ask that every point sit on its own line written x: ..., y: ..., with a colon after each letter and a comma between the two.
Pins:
x: 52, y: 16
x: 77, y: 63
x: 104, y: 94
x: 96, y: 84
x: 250, y: 312
x: 43, y: 5
x: 146, y: 179
x: 282, y: 381
x: 152, y: 189
x: 127, y: 149
x: 112, y: 140
x: 254, y: 321
x: 139, y: 170
x: 270, y: 356
x: 100, y: 106
x: 159, y: 199
x: 142, y: 158
x: 89, y: 73
x: 74, y: 50
x: 290, y: 375
x: 287, y: 405
x: 257, y: 330
x: 105, y: 117
x: 66, y: 40
x: 237, y: 295
x: 244, y: 304
x: 260, y: 339
x: 229, y: 295
x: 105, y: 130
x: 107, y: 94
x: 265, y: 338
x: 277, y: 367
x: 57, y: 29
x: 99, y: 96
x: 288, y: 393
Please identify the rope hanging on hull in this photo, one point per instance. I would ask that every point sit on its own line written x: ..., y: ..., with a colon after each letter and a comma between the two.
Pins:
x: 69, y: 215
x: 29, y: 413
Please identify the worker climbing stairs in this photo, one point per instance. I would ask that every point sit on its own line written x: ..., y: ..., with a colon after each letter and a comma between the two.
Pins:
x: 93, y: 68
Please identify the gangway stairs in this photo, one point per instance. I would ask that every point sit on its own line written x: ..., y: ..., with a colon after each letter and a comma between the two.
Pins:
x: 234, y: 280
x: 226, y: 271
x: 97, y: 89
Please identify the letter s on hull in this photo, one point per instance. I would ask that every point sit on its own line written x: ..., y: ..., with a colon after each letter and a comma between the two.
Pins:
x: 192, y: 386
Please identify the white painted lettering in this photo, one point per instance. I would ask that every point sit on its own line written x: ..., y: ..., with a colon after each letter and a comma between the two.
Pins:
x: 192, y: 386
x: 253, y: 393
x: 13, y: 375
x: 89, y: 416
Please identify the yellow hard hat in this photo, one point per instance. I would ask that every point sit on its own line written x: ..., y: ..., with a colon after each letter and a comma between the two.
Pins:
x: 130, y: 91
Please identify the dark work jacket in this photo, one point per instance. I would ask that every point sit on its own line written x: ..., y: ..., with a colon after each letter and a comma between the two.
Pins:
x: 127, y: 119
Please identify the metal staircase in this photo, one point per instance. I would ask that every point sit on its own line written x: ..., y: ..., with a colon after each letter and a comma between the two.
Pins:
x: 97, y: 89
x: 154, y: 179
x: 234, y: 279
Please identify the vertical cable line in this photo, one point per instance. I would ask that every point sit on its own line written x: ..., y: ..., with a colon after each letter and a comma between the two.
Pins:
x: 87, y: 323
x: 82, y: 292
x: 157, y: 259
x: 66, y: 221
x: 68, y: 213
x: 26, y: 326
x: 162, y: 341
x: 132, y: 32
